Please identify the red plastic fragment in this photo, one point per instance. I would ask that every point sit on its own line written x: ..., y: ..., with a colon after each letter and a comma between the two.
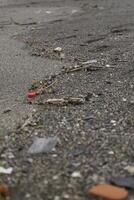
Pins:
x: 31, y: 94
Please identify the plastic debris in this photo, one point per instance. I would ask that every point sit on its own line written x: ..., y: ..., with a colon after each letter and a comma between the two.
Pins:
x: 43, y: 145
x: 64, y: 101
x: 59, y: 52
x: 76, y: 175
x: 58, y: 49
x: 31, y: 94
x: 69, y: 100
x: 6, y: 171
x: 109, y: 192
x: 87, y: 67
x: 89, y: 62
x: 127, y: 182
x: 4, y: 192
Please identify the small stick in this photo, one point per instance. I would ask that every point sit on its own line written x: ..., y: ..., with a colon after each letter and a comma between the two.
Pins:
x: 83, y: 67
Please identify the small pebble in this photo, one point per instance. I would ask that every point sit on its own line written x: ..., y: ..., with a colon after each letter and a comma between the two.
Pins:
x: 55, y: 177
x: 28, y: 195
x: 56, y: 198
x: 111, y: 153
x: 66, y: 196
x: 130, y: 169
x: 113, y: 122
x: 124, y: 99
x: 95, y: 177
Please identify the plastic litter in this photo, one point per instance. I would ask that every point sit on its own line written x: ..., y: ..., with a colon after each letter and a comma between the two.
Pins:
x: 89, y: 62
x: 6, y: 171
x: 31, y: 94
x: 43, y: 145
x: 58, y: 49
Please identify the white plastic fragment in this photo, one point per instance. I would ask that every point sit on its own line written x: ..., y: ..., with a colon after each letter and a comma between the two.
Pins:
x: 58, y: 49
x: 43, y: 145
x: 89, y: 62
x: 111, y: 153
x: 6, y: 171
x: 76, y: 175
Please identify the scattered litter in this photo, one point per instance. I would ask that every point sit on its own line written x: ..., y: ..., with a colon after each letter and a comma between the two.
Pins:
x: 127, y: 182
x: 43, y: 145
x: 6, y: 171
x: 68, y: 100
x: 89, y: 62
x: 42, y: 86
x: 110, y: 192
x: 60, y: 53
x: 65, y: 101
x: 130, y: 169
x: 87, y: 67
x: 4, y: 192
x: 31, y: 94
x: 76, y: 175
x: 58, y: 49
